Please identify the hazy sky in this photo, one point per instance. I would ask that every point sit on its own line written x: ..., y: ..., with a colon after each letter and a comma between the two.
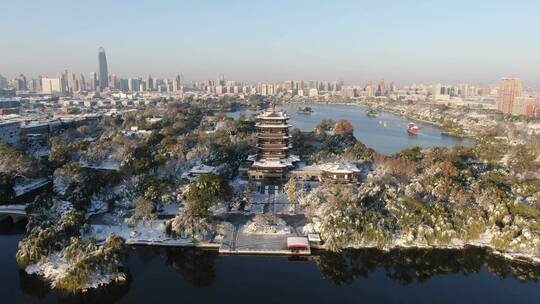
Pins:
x: 356, y: 41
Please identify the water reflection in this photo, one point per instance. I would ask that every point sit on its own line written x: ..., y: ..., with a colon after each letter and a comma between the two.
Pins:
x: 195, y: 266
x: 192, y: 274
x: 408, y: 266
x: 7, y: 227
x: 35, y: 289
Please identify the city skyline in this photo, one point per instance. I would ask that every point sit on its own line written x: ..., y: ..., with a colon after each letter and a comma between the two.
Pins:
x: 354, y: 42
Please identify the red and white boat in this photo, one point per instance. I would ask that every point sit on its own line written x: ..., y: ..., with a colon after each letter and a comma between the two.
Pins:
x: 412, y: 129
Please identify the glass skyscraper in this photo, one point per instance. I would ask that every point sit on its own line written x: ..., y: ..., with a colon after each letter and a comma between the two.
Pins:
x: 103, y: 76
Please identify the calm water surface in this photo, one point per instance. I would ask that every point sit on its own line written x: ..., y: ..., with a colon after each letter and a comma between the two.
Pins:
x: 163, y: 275
x: 371, y: 130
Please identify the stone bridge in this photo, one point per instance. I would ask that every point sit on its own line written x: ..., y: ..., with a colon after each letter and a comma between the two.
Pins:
x: 15, y: 212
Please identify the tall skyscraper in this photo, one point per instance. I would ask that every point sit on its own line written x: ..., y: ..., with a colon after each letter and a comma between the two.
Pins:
x: 93, y: 81
x: 82, y: 83
x: 3, y: 82
x: 177, y: 83
x: 509, y: 90
x: 73, y: 85
x: 150, y: 83
x: 103, y: 70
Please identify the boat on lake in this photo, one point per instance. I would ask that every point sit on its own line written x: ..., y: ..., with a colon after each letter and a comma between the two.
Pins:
x: 412, y: 129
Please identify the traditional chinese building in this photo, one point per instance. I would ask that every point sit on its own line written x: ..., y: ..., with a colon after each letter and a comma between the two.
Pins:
x: 335, y: 173
x: 273, y: 161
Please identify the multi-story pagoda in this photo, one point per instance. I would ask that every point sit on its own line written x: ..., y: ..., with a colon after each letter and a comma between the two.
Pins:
x: 273, y: 161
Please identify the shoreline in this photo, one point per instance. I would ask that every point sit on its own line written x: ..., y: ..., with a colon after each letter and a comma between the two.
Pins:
x: 510, y: 256
x: 404, y: 115
x: 459, y: 245
x: 389, y: 111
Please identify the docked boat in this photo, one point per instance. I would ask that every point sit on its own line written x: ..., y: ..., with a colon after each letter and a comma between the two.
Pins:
x: 412, y: 129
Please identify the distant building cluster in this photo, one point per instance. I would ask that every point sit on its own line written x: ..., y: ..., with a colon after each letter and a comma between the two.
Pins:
x: 106, y: 90
x: 512, y: 99
x: 70, y: 84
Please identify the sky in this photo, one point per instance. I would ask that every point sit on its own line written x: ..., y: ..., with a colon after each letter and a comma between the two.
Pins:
x: 416, y: 41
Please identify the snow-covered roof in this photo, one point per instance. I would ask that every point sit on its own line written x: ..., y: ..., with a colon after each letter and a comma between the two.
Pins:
x: 272, y: 114
x: 339, y: 167
x: 29, y: 185
x: 335, y: 167
x: 202, y: 169
x: 273, y: 148
x: 261, y: 135
x: 271, y: 163
x: 314, y: 237
x: 259, y: 125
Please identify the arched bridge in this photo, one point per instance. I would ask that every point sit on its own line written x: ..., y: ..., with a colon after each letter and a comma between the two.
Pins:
x: 16, y: 212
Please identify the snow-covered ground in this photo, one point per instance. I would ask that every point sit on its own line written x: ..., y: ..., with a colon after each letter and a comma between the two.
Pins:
x: 267, y: 224
x: 54, y: 268
x: 147, y: 232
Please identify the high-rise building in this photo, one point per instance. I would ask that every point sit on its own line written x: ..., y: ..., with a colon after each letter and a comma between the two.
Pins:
x: 150, y: 83
x: 20, y: 83
x: 178, y: 83
x: 72, y: 83
x: 133, y: 84
x: 220, y: 79
x: 381, y: 89
x: 123, y: 84
x: 369, y: 90
x: 103, y: 70
x: 82, y: 83
x: 509, y: 90
x: 525, y: 106
x: 34, y: 85
x: 3, y: 82
x: 93, y: 81
x: 348, y: 92
x: 436, y: 90
x: 51, y: 85
x: 113, y: 82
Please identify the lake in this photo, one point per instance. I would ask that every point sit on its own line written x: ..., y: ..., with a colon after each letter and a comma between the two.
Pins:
x: 372, y: 131
x: 163, y: 275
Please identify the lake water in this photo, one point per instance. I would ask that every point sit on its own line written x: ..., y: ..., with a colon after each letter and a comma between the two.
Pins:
x: 372, y: 131
x: 164, y: 275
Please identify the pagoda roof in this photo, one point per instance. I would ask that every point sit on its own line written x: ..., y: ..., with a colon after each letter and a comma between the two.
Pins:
x: 273, y: 115
x: 281, y: 126
x: 273, y: 137
x: 273, y: 148
x: 274, y: 163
